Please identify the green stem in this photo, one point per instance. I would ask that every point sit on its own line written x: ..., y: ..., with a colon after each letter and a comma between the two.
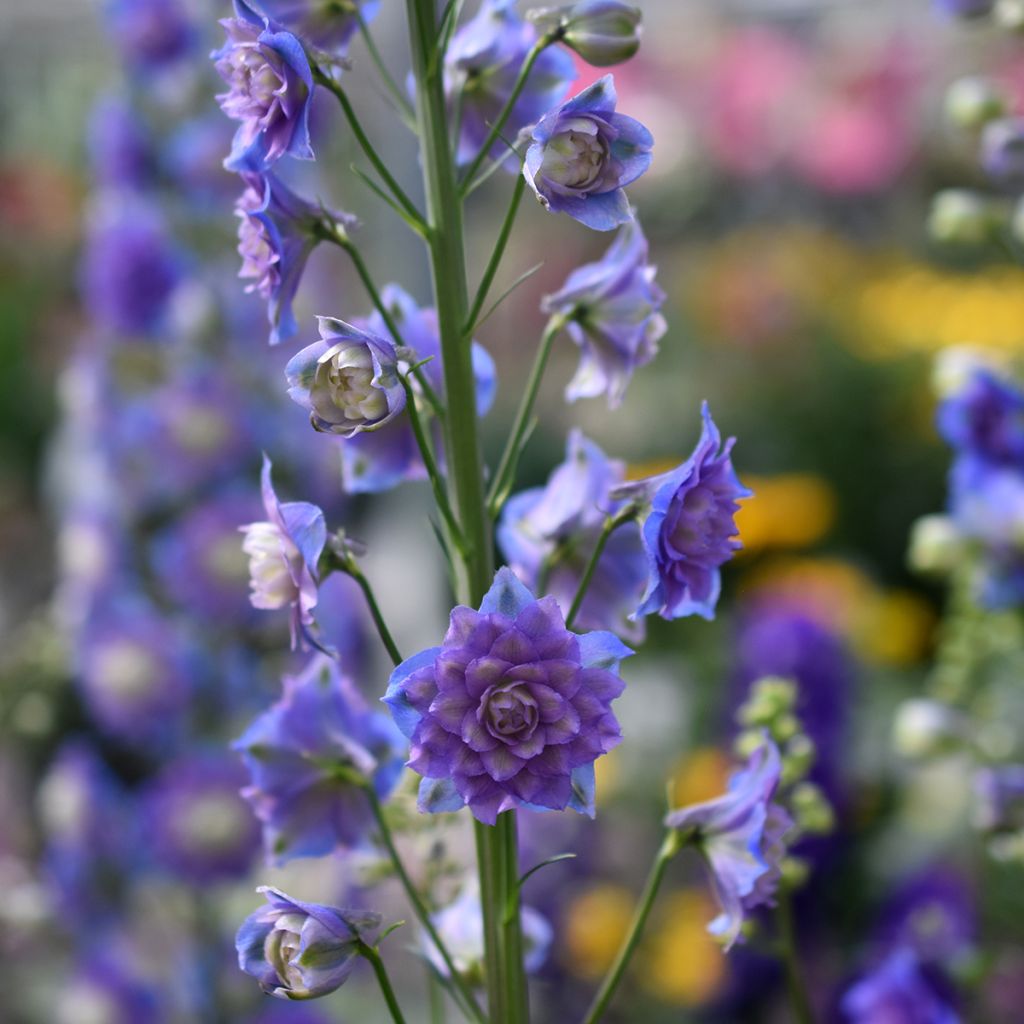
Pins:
x: 350, y: 567
x: 611, y: 524
x: 401, y: 100
x: 799, y: 1001
x: 367, y: 147
x: 517, y: 996
x: 669, y: 848
x: 495, y: 261
x: 488, y: 863
x: 418, y: 906
x: 495, y: 133
x: 435, y: 997
x: 504, y: 477
x: 370, y: 953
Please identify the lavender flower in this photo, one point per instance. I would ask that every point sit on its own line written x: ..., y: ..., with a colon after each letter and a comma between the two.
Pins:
x: 897, y: 991
x: 129, y: 267
x: 299, y: 950
x: 984, y: 419
x: 275, y: 237
x: 283, y: 554
x: 348, y: 380
x: 999, y: 798
x: 151, y: 34
x: 197, y: 826
x: 310, y: 758
x: 481, y: 67
x: 381, y: 459
x: 612, y: 313
x: 689, y: 532
x: 583, y: 154
x: 511, y: 710
x: 1002, y: 150
x: 964, y: 8
x: 270, y: 89
x: 553, y: 530
x: 602, y: 32
x: 461, y: 927
x: 741, y: 836
x: 119, y: 146
x: 135, y: 675
x: 325, y: 24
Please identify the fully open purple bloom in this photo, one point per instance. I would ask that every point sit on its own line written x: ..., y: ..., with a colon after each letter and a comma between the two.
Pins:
x: 898, y: 991
x: 985, y: 419
x: 130, y: 267
x: 197, y: 827
x: 348, y: 380
x: 283, y: 554
x: 309, y: 758
x: 270, y: 88
x: 381, y: 459
x: 690, y: 530
x: 512, y: 709
x: 741, y: 836
x: 552, y: 530
x: 275, y: 238
x: 481, y: 67
x: 612, y: 311
x: 299, y: 950
x: 325, y: 24
x: 584, y: 153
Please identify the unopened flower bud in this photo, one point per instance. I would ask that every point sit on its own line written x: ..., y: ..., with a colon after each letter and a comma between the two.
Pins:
x: 972, y: 102
x: 935, y: 545
x: 961, y: 217
x: 797, y: 759
x: 770, y: 697
x: 794, y: 872
x: 923, y: 728
x: 811, y: 809
x: 602, y: 32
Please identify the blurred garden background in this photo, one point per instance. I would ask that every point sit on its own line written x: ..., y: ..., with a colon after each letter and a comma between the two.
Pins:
x: 800, y: 145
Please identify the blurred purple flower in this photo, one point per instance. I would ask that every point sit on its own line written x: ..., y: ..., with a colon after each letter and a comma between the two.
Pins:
x: 119, y: 145
x: 349, y: 380
x: 512, y: 709
x: 898, y: 991
x: 461, y: 928
x: 612, y: 311
x: 481, y: 67
x: 135, y: 673
x: 200, y: 563
x: 302, y: 950
x: 270, y: 88
x: 310, y: 758
x: 101, y: 988
x: 964, y: 8
x: 1002, y: 150
x: 379, y: 460
x: 999, y: 798
x: 689, y: 532
x: 984, y: 419
x: 283, y: 554
x: 150, y: 34
x: 325, y: 24
x: 275, y: 238
x: 194, y: 159
x: 130, y: 267
x: 553, y: 530
x: 196, y: 825
x: 741, y: 836
x: 584, y: 153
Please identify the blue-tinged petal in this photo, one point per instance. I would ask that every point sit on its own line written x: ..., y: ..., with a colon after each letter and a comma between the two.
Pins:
x: 438, y: 796
x: 599, y: 98
x: 486, y: 376
x: 405, y: 715
x: 602, y: 211
x: 301, y: 369
x: 304, y: 523
x: 601, y: 649
x: 583, y: 788
x: 507, y: 596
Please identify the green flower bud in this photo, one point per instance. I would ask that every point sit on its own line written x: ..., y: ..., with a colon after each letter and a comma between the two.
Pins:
x: 811, y: 809
x: 602, y: 32
x: 936, y: 546
x: 961, y: 217
x: 924, y: 728
x: 769, y: 698
x: 972, y: 102
x: 794, y: 872
x: 797, y: 759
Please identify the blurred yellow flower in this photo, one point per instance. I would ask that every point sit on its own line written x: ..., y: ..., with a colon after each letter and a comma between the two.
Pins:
x: 681, y: 963
x: 699, y: 776
x: 792, y: 510
x: 595, y: 924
